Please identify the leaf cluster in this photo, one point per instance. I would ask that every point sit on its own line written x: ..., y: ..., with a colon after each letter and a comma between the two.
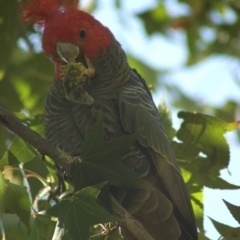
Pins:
x: 99, y: 165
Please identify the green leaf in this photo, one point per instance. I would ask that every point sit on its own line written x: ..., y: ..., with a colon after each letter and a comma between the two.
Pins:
x: 221, y: 228
x: 229, y: 233
x: 17, y: 200
x: 201, y: 236
x: 5, y: 136
x: 38, y: 168
x: 192, y: 34
x: 201, y: 133
x: 45, y: 226
x: 77, y: 213
x: 10, y: 100
x: 18, y: 152
x: 197, y: 204
x: 232, y: 234
x: 234, y: 210
x: 232, y: 126
x: 15, y: 230
x: 196, y: 175
x: 100, y: 160
x: 155, y: 19
x: 219, y: 183
x: 2, y: 193
x: 227, y: 111
x: 9, y: 28
x: 35, y: 122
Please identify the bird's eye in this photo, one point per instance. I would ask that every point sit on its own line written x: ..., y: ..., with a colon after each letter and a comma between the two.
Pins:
x: 82, y: 33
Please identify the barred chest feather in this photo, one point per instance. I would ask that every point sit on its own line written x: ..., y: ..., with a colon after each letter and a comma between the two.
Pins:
x: 66, y: 124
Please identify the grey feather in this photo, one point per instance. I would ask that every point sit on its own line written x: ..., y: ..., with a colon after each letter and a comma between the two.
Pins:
x: 126, y: 104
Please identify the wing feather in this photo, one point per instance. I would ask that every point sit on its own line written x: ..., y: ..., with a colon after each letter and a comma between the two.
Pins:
x: 137, y: 110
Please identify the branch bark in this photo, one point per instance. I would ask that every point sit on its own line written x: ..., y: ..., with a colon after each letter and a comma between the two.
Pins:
x: 44, y: 147
x: 129, y: 222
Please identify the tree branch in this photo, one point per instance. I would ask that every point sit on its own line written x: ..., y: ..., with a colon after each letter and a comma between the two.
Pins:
x: 129, y: 222
x: 44, y: 147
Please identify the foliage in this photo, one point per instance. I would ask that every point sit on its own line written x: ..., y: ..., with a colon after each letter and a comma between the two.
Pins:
x: 199, y: 144
x: 200, y: 16
x: 202, y: 152
x: 90, y: 171
x: 70, y: 212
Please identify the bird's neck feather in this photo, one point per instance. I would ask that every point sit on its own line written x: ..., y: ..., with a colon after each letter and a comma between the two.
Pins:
x: 111, y: 67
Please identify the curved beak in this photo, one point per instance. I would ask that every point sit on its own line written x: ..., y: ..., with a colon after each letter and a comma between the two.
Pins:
x: 68, y: 52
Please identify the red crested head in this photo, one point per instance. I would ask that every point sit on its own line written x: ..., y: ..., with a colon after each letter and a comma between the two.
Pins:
x: 40, y: 11
x: 64, y: 23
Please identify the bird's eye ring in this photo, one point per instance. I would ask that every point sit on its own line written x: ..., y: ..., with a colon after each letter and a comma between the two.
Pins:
x: 82, y: 33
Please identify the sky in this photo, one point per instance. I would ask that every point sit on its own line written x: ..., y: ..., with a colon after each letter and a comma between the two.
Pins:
x: 210, y: 81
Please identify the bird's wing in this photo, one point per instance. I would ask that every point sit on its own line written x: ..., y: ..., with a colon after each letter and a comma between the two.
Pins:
x: 137, y: 110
